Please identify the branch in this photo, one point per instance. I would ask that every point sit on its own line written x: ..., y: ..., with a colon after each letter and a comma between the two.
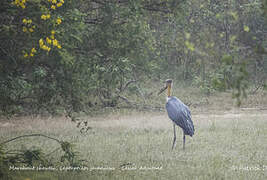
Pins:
x: 99, y: 2
x: 127, y: 84
x: 144, y: 107
x: 125, y: 99
x: 29, y: 135
x: 256, y: 88
x: 157, y: 10
x: 94, y: 21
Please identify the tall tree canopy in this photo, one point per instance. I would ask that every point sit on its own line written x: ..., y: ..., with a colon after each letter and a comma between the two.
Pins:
x: 74, y: 55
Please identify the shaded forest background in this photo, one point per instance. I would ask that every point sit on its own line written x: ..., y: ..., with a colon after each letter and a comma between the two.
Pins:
x: 80, y: 55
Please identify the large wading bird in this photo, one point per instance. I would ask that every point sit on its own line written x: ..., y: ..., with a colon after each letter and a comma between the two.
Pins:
x: 179, y: 113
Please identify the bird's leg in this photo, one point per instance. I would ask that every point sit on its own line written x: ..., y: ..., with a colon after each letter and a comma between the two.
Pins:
x: 174, y: 137
x: 184, y: 142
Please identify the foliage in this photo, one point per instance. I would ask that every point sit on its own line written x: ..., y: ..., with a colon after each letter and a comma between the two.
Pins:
x: 232, y: 75
x: 69, y: 56
x: 3, y: 164
x: 34, y: 157
x: 204, y: 85
x: 69, y: 155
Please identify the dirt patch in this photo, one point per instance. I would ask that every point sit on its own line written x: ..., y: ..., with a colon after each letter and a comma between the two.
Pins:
x: 136, y: 120
x: 6, y: 125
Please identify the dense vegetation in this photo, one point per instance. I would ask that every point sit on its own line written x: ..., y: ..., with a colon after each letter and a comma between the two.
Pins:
x: 75, y: 55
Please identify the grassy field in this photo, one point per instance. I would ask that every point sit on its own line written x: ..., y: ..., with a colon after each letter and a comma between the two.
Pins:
x: 229, y: 143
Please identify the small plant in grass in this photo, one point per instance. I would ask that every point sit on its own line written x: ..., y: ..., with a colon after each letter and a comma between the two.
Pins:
x: 3, y: 164
x: 34, y: 157
x: 69, y: 156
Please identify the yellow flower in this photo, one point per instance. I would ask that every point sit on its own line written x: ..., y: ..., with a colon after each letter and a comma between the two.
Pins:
x: 62, y: 1
x: 24, y: 29
x: 23, y: 6
x: 53, y: 32
x: 48, y: 16
x: 41, y: 42
x: 29, y: 21
x: 33, y: 26
x: 30, y: 29
x: 25, y: 55
x: 33, y: 50
x: 59, y: 4
x: 52, y: 36
x: 31, y: 54
x: 49, y: 41
x: 23, y: 1
x: 59, y: 21
x: 55, y: 42
x: 53, y: 7
x: 246, y: 28
x: 44, y: 47
x: 43, y: 17
x: 59, y: 46
x: 24, y: 21
x: 54, y: 1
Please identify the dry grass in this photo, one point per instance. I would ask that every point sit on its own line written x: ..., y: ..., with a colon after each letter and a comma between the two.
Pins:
x: 229, y: 143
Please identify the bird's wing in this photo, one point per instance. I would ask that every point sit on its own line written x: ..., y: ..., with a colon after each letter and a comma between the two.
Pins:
x: 179, y: 113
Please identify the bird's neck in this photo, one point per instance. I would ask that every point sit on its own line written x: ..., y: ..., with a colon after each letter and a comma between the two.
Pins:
x: 169, y: 90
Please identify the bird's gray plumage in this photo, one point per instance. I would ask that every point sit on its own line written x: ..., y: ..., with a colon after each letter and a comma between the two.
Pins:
x: 180, y: 114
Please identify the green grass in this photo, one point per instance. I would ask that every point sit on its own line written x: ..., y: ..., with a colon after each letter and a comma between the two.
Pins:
x: 223, y: 146
x: 229, y: 142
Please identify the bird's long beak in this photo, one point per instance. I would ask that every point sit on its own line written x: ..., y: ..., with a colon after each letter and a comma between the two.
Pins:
x: 163, y: 89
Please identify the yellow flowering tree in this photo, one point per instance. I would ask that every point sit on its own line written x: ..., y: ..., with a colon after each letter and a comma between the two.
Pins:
x: 46, y: 21
x: 37, y: 44
x: 33, y: 21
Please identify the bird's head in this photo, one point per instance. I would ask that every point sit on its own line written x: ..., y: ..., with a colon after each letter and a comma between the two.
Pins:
x: 167, y: 86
